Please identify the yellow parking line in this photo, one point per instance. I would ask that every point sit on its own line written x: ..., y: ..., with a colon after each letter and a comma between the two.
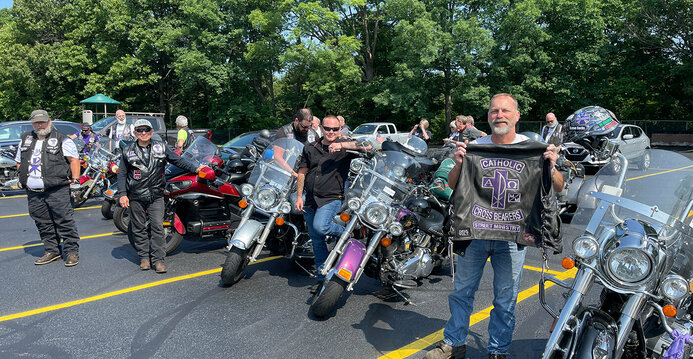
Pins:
x: 119, y: 292
x: 431, y: 339
x: 17, y: 196
x: 659, y: 173
x: 40, y: 244
x: 26, y: 214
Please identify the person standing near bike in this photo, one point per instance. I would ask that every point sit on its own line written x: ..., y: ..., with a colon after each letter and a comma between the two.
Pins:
x: 141, y: 178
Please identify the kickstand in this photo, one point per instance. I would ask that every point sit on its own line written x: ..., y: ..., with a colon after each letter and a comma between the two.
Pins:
x: 311, y: 274
x: 406, y: 298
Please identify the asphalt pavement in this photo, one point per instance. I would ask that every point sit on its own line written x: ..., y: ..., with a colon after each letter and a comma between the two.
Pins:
x: 107, y: 307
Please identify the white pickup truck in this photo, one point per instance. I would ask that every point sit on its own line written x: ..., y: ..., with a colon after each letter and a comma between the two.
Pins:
x: 371, y: 130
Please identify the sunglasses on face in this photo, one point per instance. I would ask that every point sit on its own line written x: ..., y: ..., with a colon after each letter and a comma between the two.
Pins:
x: 143, y: 130
x: 304, y: 126
x: 328, y: 129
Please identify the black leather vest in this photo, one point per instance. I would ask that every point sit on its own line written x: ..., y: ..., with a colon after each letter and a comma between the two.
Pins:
x: 498, y: 193
x: 55, y: 168
x: 188, y: 140
x: 145, y: 174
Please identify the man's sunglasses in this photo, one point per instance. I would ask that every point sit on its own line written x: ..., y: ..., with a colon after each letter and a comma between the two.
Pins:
x: 303, y: 126
x: 328, y: 129
x: 143, y: 130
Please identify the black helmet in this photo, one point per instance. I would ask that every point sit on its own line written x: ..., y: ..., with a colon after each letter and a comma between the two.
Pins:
x: 265, y: 133
x: 590, y: 121
x: 419, y: 206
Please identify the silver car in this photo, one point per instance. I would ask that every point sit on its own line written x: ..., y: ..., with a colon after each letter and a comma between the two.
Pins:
x: 630, y: 139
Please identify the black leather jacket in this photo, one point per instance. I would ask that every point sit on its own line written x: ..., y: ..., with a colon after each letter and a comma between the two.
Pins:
x: 141, y: 170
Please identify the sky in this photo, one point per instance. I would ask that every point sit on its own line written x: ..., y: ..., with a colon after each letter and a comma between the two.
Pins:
x: 5, y: 3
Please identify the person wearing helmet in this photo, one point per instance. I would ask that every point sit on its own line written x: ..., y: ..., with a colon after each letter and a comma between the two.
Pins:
x: 185, y: 135
x: 506, y: 257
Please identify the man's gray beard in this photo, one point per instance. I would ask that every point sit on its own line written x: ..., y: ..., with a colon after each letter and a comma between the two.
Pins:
x: 121, y: 122
x: 44, y: 132
x: 501, y: 130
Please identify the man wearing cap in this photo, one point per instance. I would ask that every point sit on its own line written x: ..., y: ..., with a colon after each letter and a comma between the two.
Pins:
x: 185, y: 135
x: 48, y: 167
x: 141, y: 178
x: 86, y: 137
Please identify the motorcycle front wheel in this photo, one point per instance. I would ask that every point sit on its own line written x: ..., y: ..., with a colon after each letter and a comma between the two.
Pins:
x: 107, y: 209
x: 328, y: 298
x: 233, y: 267
x: 82, y: 196
x: 121, y: 219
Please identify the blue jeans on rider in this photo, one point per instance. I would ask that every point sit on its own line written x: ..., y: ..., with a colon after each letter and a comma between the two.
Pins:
x: 507, y: 262
x: 320, y: 225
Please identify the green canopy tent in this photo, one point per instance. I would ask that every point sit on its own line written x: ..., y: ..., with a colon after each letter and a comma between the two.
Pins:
x: 96, y: 101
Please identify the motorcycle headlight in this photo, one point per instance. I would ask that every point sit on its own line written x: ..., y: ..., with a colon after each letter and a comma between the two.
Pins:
x: 178, y: 185
x: 585, y: 247
x: 285, y: 207
x: 376, y: 213
x: 629, y: 264
x: 356, y: 165
x: 246, y: 189
x: 266, y: 198
x: 354, y: 204
x: 398, y: 171
x: 396, y: 229
x: 674, y: 287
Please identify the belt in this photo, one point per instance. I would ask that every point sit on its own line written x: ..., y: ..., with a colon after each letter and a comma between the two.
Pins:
x: 38, y: 190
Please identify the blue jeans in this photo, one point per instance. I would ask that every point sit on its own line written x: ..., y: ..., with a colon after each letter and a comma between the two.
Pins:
x: 507, y: 262
x: 320, y: 225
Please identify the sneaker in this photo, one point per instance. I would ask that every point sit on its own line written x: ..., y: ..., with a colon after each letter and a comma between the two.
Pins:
x: 145, y: 265
x: 47, y: 258
x: 160, y: 267
x: 71, y: 260
x: 445, y: 351
x: 497, y: 356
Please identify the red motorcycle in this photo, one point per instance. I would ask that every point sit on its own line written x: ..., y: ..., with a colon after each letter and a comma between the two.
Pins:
x: 198, y: 206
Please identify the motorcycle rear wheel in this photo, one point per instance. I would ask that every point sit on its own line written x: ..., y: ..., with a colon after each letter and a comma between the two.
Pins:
x: 107, y: 209
x: 233, y: 267
x: 328, y: 298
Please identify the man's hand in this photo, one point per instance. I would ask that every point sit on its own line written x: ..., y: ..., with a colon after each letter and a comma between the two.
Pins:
x: 334, y: 147
x: 124, y: 201
x: 200, y: 168
x: 460, y: 152
x: 299, y: 203
x: 551, y: 154
x: 74, y: 189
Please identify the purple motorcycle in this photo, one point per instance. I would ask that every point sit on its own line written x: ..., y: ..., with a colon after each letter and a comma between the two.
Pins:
x: 394, y: 232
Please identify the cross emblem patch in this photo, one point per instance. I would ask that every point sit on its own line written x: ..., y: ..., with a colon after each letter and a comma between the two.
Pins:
x: 500, y: 184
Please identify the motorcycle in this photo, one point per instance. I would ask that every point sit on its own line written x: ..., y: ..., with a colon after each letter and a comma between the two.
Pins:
x: 402, y: 232
x: 100, y: 168
x: 8, y: 169
x: 269, y: 218
x: 637, y: 244
x: 197, y: 207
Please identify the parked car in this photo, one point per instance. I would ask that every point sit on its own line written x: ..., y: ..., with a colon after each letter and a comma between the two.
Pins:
x: 238, y: 143
x: 371, y: 130
x: 103, y: 126
x: 11, y: 132
x: 630, y: 139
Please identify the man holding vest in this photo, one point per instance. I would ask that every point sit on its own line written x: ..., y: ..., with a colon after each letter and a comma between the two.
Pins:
x: 185, y: 135
x: 48, y: 167
x: 506, y: 257
x: 141, y: 179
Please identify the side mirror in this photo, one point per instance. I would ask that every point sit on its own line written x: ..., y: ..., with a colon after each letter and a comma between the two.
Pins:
x: 628, y: 136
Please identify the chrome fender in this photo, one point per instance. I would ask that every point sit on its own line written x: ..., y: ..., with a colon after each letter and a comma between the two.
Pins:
x: 245, y: 235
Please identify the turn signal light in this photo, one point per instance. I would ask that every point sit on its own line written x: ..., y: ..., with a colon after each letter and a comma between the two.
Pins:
x: 242, y: 204
x: 279, y: 221
x: 568, y: 263
x: 669, y: 310
x: 207, y: 173
x: 345, y: 217
x: 386, y: 242
x: 84, y: 165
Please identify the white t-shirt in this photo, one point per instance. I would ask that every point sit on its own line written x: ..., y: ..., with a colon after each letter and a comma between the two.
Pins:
x: 117, y: 132
x: 34, y: 180
x: 486, y: 140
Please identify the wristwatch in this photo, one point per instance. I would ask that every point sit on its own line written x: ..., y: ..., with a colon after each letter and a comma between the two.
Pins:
x: 74, y: 181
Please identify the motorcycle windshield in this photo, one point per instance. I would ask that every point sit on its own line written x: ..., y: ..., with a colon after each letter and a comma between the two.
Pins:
x: 277, y: 164
x: 416, y: 145
x: 200, y: 152
x: 661, y: 195
x: 102, y: 152
x: 388, y: 182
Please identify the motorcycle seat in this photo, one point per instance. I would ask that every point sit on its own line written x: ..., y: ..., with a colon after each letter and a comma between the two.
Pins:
x: 427, y: 165
x: 432, y: 224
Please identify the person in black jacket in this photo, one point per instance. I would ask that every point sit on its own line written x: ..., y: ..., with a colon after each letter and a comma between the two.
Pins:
x: 141, y: 178
x: 48, y: 167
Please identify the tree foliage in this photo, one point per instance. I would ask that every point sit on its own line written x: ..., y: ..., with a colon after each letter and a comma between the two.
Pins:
x: 250, y: 64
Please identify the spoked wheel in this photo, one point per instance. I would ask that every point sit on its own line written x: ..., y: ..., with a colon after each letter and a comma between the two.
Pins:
x: 328, y: 298
x: 644, y: 162
x: 107, y: 209
x: 82, y: 196
x: 233, y: 267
